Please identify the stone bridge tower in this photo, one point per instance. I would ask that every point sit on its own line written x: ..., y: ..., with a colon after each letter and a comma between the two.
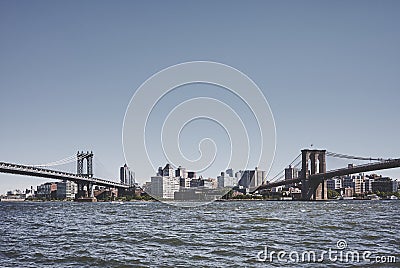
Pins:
x: 313, y: 162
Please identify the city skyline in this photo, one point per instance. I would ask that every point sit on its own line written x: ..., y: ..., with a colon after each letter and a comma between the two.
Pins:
x: 332, y: 83
x: 247, y: 179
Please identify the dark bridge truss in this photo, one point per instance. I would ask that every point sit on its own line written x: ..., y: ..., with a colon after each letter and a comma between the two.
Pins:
x: 53, y: 174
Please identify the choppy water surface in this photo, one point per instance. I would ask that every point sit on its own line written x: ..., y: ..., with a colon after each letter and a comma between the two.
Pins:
x: 221, y: 234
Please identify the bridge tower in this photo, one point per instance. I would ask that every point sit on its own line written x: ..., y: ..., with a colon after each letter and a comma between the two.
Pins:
x: 88, y: 156
x: 316, y: 160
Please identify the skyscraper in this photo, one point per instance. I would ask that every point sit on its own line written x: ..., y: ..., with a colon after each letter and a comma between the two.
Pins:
x: 252, y: 178
x: 229, y: 172
x: 126, y: 175
x: 291, y: 173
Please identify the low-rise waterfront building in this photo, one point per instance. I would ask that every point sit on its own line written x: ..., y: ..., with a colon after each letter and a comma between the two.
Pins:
x: 67, y: 190
x: 347, y: 182
x: 384, y: 185
x: 47, y: 190
x: 198, y: 194
x: 334, y: 184
x: 368, y: 184
x: 348, y: 192
x: 358, y: 182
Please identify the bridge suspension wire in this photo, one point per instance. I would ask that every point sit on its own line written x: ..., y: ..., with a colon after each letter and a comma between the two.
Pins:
x: 278, y: 176
x: 63, y: 161
x: 298, y: 164
x: 281, y: 174
x: 103, y: 167
x: 344, y: 156
x: 282, y: 177
x: 295, y: 159
x: 67, y: 160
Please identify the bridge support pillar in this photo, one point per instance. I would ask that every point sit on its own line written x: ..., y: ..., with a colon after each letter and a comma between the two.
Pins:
x: 89, y: 190
x: 85, y: 190
x: 313, y: 190
x: 81, y: 191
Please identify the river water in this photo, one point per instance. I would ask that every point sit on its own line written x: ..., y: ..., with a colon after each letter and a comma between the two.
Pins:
x: 220, y: 234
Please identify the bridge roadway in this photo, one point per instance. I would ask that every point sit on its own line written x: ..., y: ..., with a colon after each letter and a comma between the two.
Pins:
x: 387, y: 164
x: 53, y: 174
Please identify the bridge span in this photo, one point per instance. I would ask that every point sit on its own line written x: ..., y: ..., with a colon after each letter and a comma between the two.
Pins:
x: 313, y: 184
x: 53, y: 174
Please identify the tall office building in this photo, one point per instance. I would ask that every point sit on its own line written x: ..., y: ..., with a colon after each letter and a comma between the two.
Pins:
x: 225, y: 180
x: 126, y: 176
x: 164, y: 187
x: 181, y: 172
x: 291, y: 173
x: 168, y: 171
x: 229, y: 172
x: 252, y: 178
x: 167, y: 181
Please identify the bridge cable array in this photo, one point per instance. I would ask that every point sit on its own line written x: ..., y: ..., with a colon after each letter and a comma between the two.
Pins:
x: 344, y: 156
x: 67, y: 160
x: 101, y: 168
x: 281, y: 175
x: 73, y: 159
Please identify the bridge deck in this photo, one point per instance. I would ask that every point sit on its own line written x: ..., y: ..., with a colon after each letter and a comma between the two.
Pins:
x: 54, y: 174
x: 388, y: 164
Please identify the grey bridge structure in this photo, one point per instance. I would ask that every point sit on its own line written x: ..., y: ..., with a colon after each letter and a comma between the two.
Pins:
x: 313, y: 174
x: 82, y: 179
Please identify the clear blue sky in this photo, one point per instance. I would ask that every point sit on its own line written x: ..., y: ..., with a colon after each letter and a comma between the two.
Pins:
x: 329, y: 69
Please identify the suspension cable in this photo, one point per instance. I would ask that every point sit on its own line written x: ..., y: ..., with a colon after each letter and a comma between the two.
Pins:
x: 103, y: 167
x: 353, y: 157
x: 281, y: 174
x: 64, y: 161
x: 58, y: 162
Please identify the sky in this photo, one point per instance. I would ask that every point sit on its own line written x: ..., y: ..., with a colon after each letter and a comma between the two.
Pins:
x: 330, y: 71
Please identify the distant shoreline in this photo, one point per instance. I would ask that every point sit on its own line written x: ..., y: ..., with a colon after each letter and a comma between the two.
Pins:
x: 172, y: 201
